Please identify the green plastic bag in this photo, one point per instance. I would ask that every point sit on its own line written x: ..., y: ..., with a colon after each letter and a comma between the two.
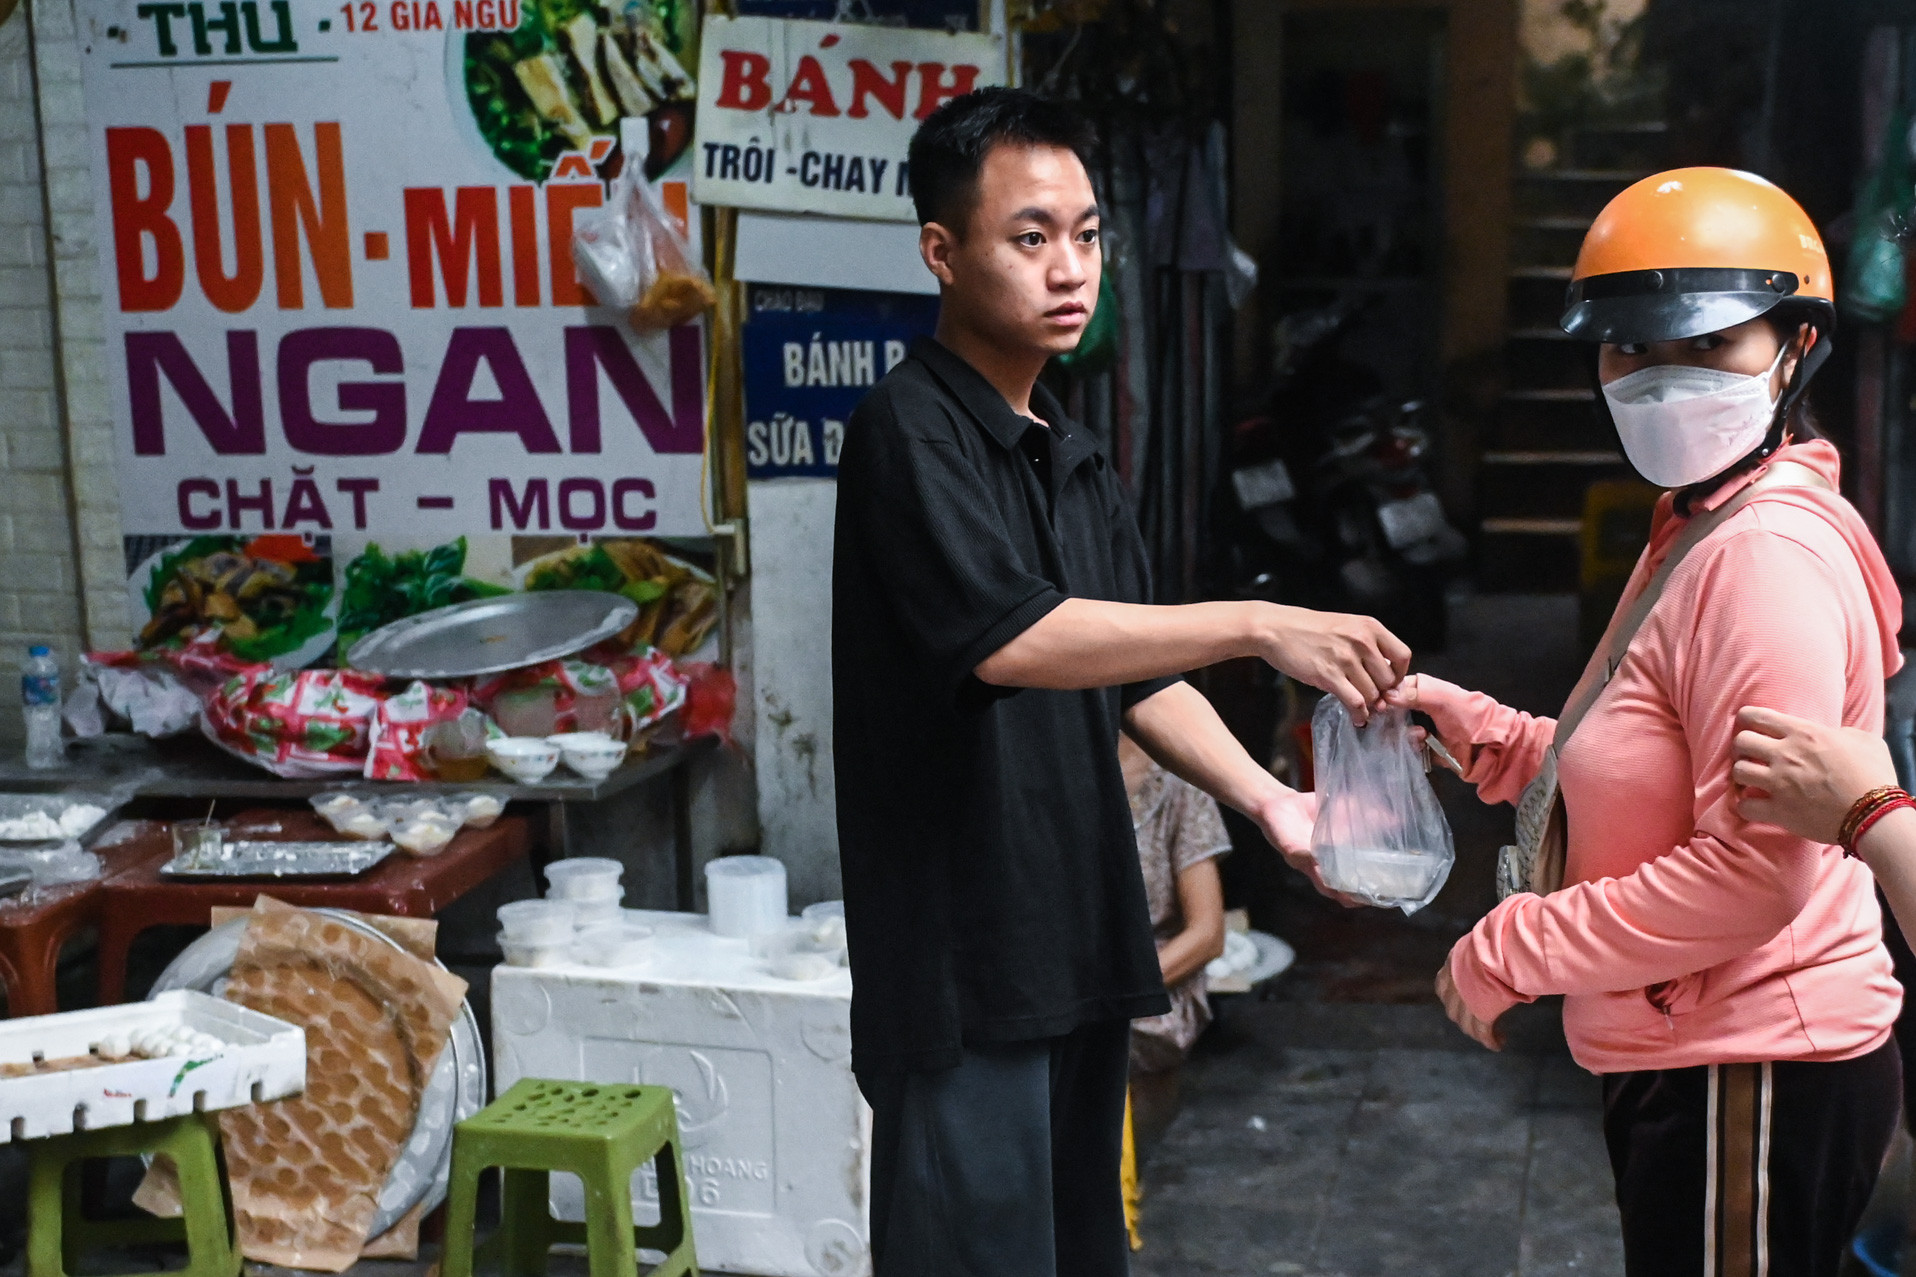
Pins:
x: 1875, y: 284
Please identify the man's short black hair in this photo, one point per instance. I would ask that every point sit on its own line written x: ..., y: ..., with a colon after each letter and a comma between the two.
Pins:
x: 950, y: 147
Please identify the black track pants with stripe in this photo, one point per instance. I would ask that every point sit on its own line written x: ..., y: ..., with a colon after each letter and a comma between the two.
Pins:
x: 1748, y: 1170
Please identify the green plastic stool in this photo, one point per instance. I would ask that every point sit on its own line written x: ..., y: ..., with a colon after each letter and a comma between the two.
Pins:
x: 600, y: 1132
x: 56, y: 1225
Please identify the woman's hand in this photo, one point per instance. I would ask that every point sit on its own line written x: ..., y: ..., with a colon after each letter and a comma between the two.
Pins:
x: 1803, y: 775
x: 1441, y: 700
x: 1484, y: 1033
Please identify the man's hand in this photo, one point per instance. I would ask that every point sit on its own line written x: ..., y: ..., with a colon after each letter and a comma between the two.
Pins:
x: 1354, y: 658
x: 1803, y: 775
x: 1286, y: 819
x: 1485, y: 1034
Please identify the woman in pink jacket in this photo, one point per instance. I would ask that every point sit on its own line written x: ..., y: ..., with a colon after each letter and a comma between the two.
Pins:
x: 1727, y: 979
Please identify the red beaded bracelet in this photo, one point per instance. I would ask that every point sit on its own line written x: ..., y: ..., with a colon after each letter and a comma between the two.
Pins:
x: 1862, y: 809
x: 1882, y: 809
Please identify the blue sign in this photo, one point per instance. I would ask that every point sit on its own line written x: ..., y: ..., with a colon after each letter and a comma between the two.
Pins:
x: 810, y: 355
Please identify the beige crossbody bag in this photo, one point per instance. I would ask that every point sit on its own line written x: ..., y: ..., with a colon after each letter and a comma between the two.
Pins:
x: 1535, y: 864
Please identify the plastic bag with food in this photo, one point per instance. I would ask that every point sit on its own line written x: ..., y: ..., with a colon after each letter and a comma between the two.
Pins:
x: 633, y: 258
x: 1380, y: 835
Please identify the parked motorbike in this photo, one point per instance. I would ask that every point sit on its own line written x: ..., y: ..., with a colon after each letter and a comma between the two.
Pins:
x: 1338, y: 510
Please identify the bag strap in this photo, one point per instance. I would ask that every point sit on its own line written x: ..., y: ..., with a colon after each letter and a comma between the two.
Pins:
x: 1628, y: 619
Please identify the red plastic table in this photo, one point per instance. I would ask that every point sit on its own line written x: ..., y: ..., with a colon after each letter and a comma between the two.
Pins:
x: 34, y: 927
x: 138, y: 897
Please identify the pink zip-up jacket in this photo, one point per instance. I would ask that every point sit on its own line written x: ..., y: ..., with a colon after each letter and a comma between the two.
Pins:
x: 1684, y: 934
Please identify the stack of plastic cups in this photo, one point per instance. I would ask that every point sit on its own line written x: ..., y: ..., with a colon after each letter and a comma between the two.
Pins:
x: 746, y: 895
x: 591, y: 884
x: 537, y: 933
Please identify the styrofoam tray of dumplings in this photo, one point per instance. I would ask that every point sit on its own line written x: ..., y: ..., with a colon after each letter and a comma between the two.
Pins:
x: 182, y: 1052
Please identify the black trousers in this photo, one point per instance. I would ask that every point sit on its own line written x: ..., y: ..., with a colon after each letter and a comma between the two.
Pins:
x: 1748, y: 1170
x: 1006, y: 1165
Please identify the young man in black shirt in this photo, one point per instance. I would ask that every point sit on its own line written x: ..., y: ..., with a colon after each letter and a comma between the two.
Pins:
x: 991, y: 635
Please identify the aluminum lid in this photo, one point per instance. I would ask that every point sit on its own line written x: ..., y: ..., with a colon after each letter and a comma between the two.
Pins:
x: 486, y: 636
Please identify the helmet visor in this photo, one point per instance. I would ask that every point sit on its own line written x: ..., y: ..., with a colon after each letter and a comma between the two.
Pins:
x: 1669, y: 305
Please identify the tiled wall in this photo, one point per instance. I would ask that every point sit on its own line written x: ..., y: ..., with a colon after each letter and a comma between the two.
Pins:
x: 60, y: 578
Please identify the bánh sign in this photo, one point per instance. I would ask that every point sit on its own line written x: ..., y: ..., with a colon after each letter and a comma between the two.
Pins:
x: 817, y: 117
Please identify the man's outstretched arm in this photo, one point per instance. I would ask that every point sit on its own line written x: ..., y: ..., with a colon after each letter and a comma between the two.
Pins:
x: 1093, y: 643
x: 1179, y: 728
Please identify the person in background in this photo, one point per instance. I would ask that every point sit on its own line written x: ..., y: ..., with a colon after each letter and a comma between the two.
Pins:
x: 1180, y: 838
x: 1727, y: 979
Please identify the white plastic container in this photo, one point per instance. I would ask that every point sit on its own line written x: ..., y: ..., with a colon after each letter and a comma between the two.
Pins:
x: 237, y: 1056
x: 540, y: 953
x: 776, y: 1138
x: 614, y: 944
x: 746, y: 895
x: 584, y: 878
x: 595, y: 913
x: 537, y: 921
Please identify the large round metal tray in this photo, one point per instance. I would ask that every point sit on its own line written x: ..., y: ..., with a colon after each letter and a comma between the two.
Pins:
x: 486, y: 636
x: 456, y: 1090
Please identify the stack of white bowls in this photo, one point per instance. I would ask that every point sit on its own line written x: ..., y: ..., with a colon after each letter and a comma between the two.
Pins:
x: 536, y: 933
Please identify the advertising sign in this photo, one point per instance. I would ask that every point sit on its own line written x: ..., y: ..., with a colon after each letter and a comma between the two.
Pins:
x: 340, y: 303
x: 810, y: 355
x: 816, y: 117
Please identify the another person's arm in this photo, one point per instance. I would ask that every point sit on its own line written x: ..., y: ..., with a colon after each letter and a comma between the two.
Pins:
x: 1806, y: 776
x: 1094, y: 643
x: 1179, y: 728
x: 1201, y: 904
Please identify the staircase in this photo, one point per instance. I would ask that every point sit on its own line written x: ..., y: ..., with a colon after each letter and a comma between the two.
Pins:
x: 1545, y: 446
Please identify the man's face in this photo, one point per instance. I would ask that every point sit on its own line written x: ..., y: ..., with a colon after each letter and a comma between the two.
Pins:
x: 1024, y: 273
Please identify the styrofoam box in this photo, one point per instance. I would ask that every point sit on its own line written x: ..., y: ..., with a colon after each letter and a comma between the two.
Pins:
x: 777, y: 1137
x: 264, y: 1059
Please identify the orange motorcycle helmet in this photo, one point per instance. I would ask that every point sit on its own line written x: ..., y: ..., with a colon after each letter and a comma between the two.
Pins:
x: 1698, y: 250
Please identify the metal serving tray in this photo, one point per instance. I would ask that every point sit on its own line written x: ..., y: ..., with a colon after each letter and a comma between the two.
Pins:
x: 285, y: 860
x: 486, y: 636
x: 456, y: 1090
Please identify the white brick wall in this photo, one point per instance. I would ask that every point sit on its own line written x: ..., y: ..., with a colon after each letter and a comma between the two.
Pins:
x: 58, y: 584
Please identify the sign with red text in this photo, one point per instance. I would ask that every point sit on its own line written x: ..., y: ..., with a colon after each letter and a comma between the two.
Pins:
x: 334, y: 248
x: 817, y: 117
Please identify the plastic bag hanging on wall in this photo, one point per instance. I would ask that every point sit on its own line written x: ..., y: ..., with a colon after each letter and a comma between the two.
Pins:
x: 633, y: 258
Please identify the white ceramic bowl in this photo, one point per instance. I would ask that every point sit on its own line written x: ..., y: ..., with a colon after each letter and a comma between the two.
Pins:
x: 594, y: 755
x: 526, y: 759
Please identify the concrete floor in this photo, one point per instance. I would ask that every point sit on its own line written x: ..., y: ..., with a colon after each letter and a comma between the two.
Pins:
x: 1360, y: 1140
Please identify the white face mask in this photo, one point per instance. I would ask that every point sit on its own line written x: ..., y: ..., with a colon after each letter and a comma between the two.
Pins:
x: 1680, y: 425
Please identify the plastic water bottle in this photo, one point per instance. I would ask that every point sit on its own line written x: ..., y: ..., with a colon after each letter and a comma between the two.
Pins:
x: 40, y: 701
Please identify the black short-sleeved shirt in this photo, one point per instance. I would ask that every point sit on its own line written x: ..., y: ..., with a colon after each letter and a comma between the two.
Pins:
x: 992, y: 889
